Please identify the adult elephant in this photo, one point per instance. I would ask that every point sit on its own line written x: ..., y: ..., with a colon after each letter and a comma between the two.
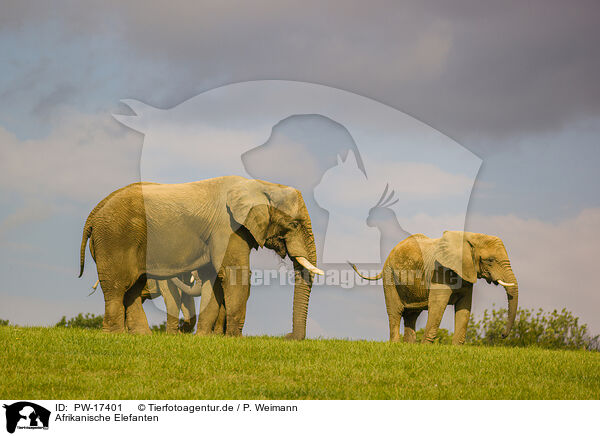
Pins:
x: 178, y: 292
x: 423, y: 273
x: 162, y: 230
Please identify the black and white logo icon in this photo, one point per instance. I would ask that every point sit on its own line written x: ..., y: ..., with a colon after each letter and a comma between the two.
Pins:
x: 26, y: 415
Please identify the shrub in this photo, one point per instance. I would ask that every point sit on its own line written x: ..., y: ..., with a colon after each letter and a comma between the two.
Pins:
x: 558, y: 330
x: 159, y: 328
x: 3, y: 322
x: 91, y: 321
x: 162, y: 328
x: 548, y: 330
x: 87, y: 321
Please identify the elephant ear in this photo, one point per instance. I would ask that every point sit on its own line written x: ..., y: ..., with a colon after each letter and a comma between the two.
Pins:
x: 249, y: 207
x: 456, y: 253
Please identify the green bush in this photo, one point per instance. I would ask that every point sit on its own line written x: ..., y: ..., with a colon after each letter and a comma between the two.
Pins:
x: 3, y: 322
x: 162, y: 328
x: 159, y: 328
x: 557, y: 330
x: 91, y: 321
x: 81, y: 321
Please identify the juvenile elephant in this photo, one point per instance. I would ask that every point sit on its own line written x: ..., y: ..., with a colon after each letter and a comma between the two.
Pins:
x: 159, y: 231
x: 206, y: 284
x: 176, y: 301
x: 423, y: 273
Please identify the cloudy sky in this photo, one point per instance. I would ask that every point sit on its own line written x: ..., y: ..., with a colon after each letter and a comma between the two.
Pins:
x: 514, y: 83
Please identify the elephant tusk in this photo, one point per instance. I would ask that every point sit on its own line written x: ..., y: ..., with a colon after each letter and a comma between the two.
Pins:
x: 96, y: 284
x: 309, y: 266
x: 505, y: 284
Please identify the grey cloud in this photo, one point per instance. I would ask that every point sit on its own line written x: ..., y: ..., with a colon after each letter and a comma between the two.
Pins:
x: 469, y: 69
x: 83, y: 158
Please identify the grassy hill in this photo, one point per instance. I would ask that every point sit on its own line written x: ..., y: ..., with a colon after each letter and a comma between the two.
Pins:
x: 60, y: 363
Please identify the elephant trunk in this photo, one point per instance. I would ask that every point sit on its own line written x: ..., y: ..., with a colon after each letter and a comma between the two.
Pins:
x: 303, y: 284
x: 512, y: 294
x: 194, y: 291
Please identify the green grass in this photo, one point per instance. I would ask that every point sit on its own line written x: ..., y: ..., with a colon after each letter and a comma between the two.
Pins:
x: 60, y: 363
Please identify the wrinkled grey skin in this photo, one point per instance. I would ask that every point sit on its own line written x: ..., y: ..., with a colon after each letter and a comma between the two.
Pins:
x: 160, y: 231
x: 423, y: 273
x: 176, y: 301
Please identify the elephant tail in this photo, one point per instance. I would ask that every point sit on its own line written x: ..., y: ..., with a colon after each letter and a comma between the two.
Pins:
x: 377, y: 277
x: 87, y: 228
x: 87, y: 232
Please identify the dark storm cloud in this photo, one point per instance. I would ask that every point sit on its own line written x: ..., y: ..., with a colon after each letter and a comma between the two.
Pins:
x: 469, y: 69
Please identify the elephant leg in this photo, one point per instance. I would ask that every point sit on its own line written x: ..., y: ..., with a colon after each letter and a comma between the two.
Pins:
x: 188, y: 308
x: 135, y: 316
x: 245, y: 295
x: 170, y: 294
x: 236, y: 289
x: 438, y: 300
x: 462, y: 312
x: 114, y: 311
x: 410, y: 322
x: 209, y: 308
x: 393, y: 305
x: 220, y: 326
x: 234, y: 273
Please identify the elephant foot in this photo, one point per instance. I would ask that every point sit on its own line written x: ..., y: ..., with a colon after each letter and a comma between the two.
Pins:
x: 186, y: 329
x: 172, y: 330
x: 141, y: 331
x: 294, y: 337
x: 202, y: 333
x: 113, y: 331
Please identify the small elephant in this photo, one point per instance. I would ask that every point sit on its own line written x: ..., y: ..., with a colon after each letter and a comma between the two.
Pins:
x: 177, y: 299
x: 207, y: 284
x: 423, y: 273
